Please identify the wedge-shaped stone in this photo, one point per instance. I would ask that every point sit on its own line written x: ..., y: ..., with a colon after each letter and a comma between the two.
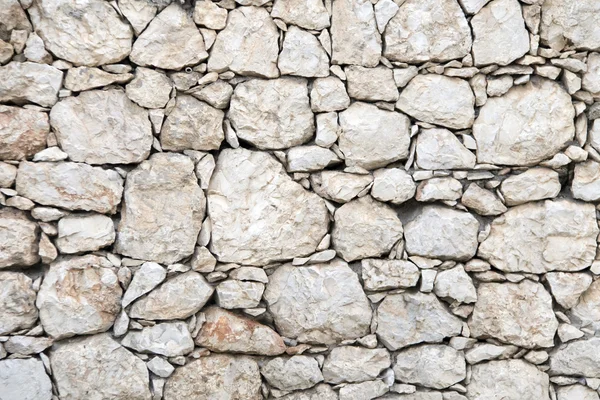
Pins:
x: 85, y: 78
x: 79, y: 296
x: 527, y: 125
x: 147, y: 277
x: 171, y: 41
x: 23, y: 82
x: 294, y: 373
x: 163, y: 210
x: 100, y: 366
x: 519, y: 314
x: 427, y: 31
x: 303, y: 309
x: 18, y: 239
x: 73, y: 186
x: 17, y: 302
x: 24, y: 379
x: 441, y: 149
x: 259, y: 215
x: 139, y: 13
x: 564, y: 22
x: 431, y: 365
x: 580, y: 358
x: 339, y: 186
x: 170, y: 339
x: 355, y: 364
x: 23, y: 132
x: 150, y: 88
x: 515, y: 379
x: 557, y: 235
x: 302, y: 55
x: 225, y: 331
x: 567, y: 287
x: 285, y: 100
x: 102, y: 127
x: 586, y: 313
x: 308, y: 14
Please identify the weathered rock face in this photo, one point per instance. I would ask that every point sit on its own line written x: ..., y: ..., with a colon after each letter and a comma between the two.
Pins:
x: 302, y: 310
x: 79, y: 233
x: 354, y: 364
x: 116, y: 372
x: 585, y: 305
x: 18, y: 239
x: 17, y: 302
x: 102, y: 38
x: 12, y: 16
x: 519, y: 314
x: 148, y: 192
x: 23, y: 82
x: 102, y: 127
x: 388, y: 274
x: 219, y: 376
x: 579, y: 358
x: 294, y: 373
x: 310, y: 14
x: 85, y: 78
x: 258, y: 213
x: 302, y: 55
x: 430, y: 365
x: 22, y: 132
x: 25, y: 380
x: 559, y: 235
x: 339, y: 186
x: 510, y: 134
x: 441, y: 149
x: 167, y: 339
x: 533, y: 184
x: 564, y: 23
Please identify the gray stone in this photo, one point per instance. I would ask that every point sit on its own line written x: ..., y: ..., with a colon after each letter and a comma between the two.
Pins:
x: 24, y: 379
x: 170, y: 339
x: 23, y: 82
x: 430, y: 365
x: 294, y: 373
x: 441, y: 149
x: 17, y: 302
x: 354, y: 364
x: 515, y: 379
x: 147, y: 277
x: 389, y: 274
x: 18, y: 239
x: 80, y: 233
x: 149, y: 88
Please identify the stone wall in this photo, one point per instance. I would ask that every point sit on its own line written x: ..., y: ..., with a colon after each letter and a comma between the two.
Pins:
x: 299, y: 199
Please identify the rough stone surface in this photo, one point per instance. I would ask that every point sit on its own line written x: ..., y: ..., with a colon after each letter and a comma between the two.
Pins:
x: 393, y: 185
x: 23, y: 82
x: 354, y: 364
x: 533, y: 184
x: 80, y: 233
x: 302, y: 55
x: 24, y: 380
x: 18, y: 239
x: 441, y: 149
x: 388, y: 274
x: 167, y: 339
x: 22, y: 132
x: 576, y: 23
x: 149, y: 88
x: 435, y: 366
x: 585, y: 311
x: 17, y: 302
x: 579, y: 358
x: 310, y: 14
x: 294, y: 373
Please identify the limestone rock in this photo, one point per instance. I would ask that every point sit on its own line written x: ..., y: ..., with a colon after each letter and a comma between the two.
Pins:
x: 435, y: 366
x: 372, y: 138
x: 22, y: 82
x: 27, y: 345
x: 441, y: 232
x: 566, y: 22
x: 440, y: 100
x: 8, y: 174
x: 508, y: 133
x: 515, y: 379
x: 177, y: 298
x: 364, y: 390
x: 303, y: 310
x: 310, y: 158
x: 85, y: 78
x: 171, y: 41
x: 394, y: 185
x: 102, y: 127
x: 585, y: 313
x: 139, y: 12
x: 444, y: 189
x: 23, y: 132
x: 482, y: 201
x: 285, y: 100
x: 294, y: 373
x: 248, y: 45
x: 591, y: 77
x: 17, y: 302
x: 365, y: 228
x: 147, y: 277
x: 427, y: 31
x: 586, y: 181
x: 441, y: 149
x: 576, y: 392
x: 319, y: 392
x: 192, y: 124
x: 87, y: 32
x: 557, y: 235
x: 156, y: 225
x: 237, y: 294
x: 218, y: 376
x: 354, y: 364
x: 79, y: 295
x: 339, y: 186
x: 210, y: 15
x: 72, y: 186
x: 18, y: 239
x: 410, y: 318
x: 519, y: 314
x: 389, y: 274
x: 170, y: 339
x: 310, y: 14
x: 455, y: 284
x: 567, y: 287
x: 302, y: 55
x: 473, y: 6
x: 328, y: 94
x: 12, y: 17
x: 533, y: 184
x: 116, y: 372
x: 371, y: 84
x: 80, y: 233
x: 259, y: 214
x: 149, y: 88
x: 498, y: 23
x: 580, y: 358
x: 354, y: 35
x: 24, y: 379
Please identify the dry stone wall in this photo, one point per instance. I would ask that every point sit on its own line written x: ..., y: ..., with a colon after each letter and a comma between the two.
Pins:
x: 299, y: 199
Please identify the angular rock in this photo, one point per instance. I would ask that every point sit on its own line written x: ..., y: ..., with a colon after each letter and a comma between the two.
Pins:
x: 586, y: 181
x: 410, y: 318
x: 17, y: 302
x: 12, y: 17
x: 533, y: 184
x: 85, y: 78
x: 147, y: 277
x: 354, y: 35
x: 441, y: 149
x: 18, y: 239
x: 87, y: 32
x: 498, y: 23
x: 79, y: 296
x: 170, y: 339
x: 218, y: 376
x: 8, y: 174
x: 434, y: 366
x: 156, y: 225
x: 171, y: 41
x: 24, y: 379
x: 177, y: 298
x: 576, y: 392
x: 339, y: 186
x: 455, y: 284
x: 138, y: 12
x: 294, y: 373
x: 579, y: 358
x: 319, y: 392
x: 557, y: 235
x: 285, y: 100
x: 472, y: 6
x: 508, y: 133
x: 566, y: 22
x: 482, y: 201
x: 394, y: 185
x: 515, y: 379
x: 567, y: 287
x: 441, y: 232
x: 444, y: 189
x: 80, y: 233
x: 216, y: 94
x: 116, y: 372
x: 328, y: 94
x: 364, y: 390
x: 302, y: 55
x: 519, y: 314
x: 427, y: 31
x: 389, y: 274
x: 372, y: 138
x: 238, y: 294
x: 440, y: 100
x: 27, y: 345
x: 591, y: 77
x: 23, y: 132
x: 585, y: 313
x: 259, y: 214
x: 310, y: 14
x: 248, y: 45
x: 210, y: 15
x: 310, y: 158
x: 365, y: 228
x: 149, y: 88
x: 23, y: 82
x: 302, y: 309
x: 192, y: 124
x: 355, y: 364
x: 371, y: 84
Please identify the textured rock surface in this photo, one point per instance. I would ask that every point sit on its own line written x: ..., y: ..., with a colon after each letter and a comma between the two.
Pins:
x: 577, y: 358
x: 355, y: 364
x: 562, y: 23
x: 430, y: 365
x: 79, y: 233
x: 18, y: 239
x: 23, y: 82
x: 490, y: 379
x: 294, y: 373
x: 17, y: 302
x: 22, y: 132
x: 24, y: 380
